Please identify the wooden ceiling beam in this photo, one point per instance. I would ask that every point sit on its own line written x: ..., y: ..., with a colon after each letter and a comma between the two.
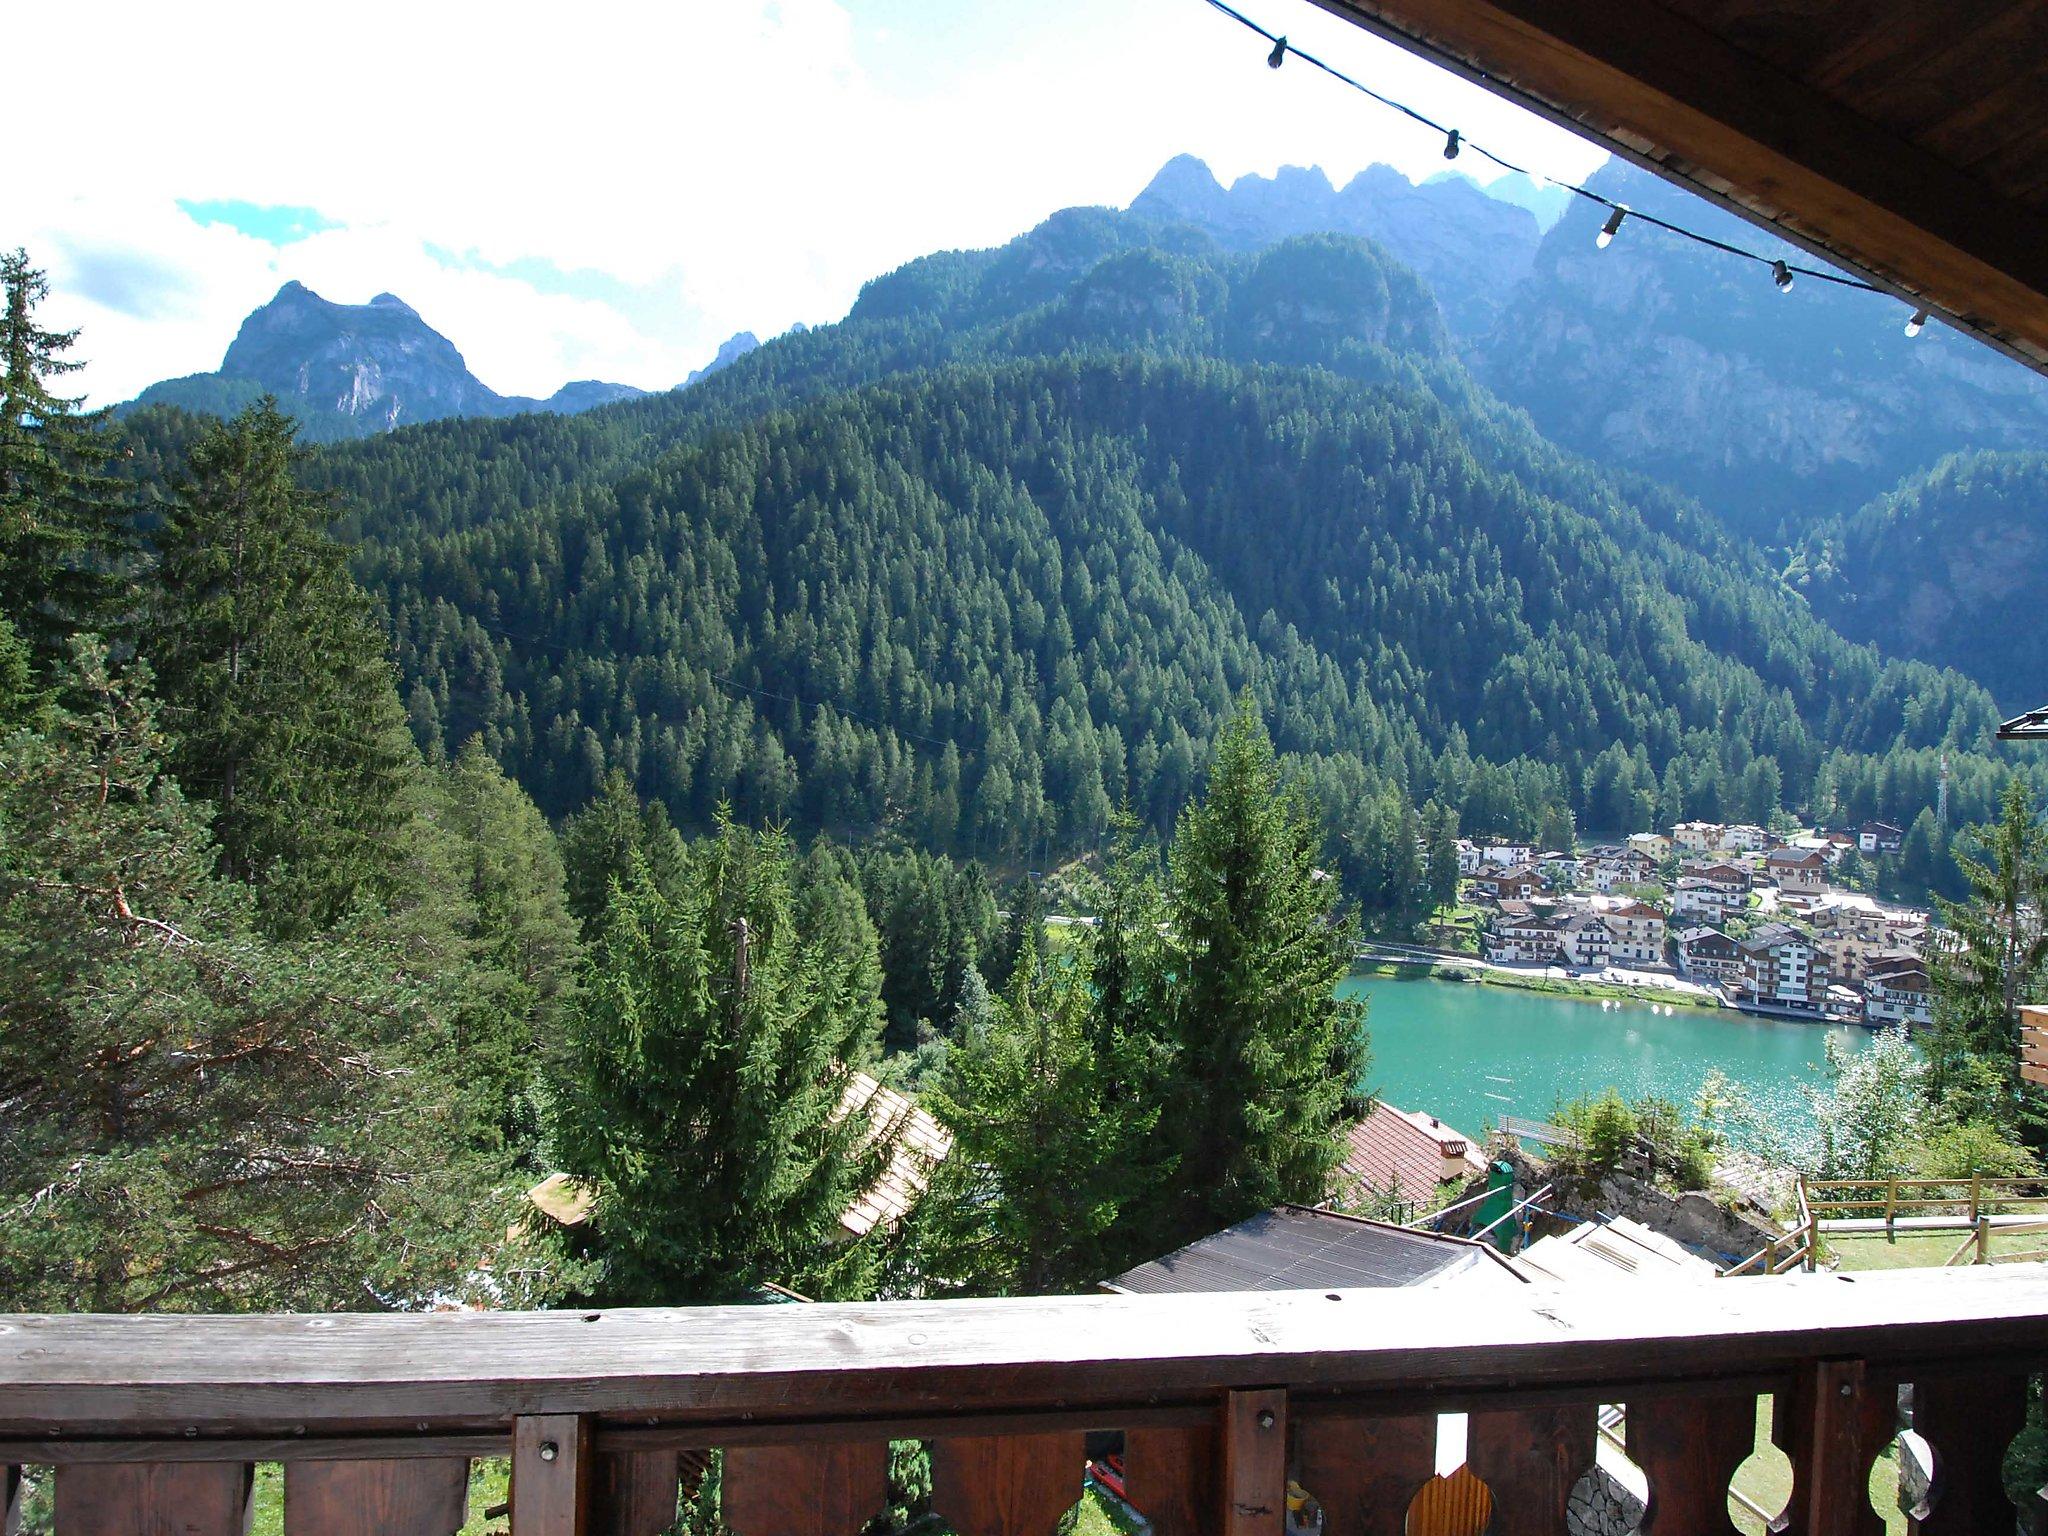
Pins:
x: 1676, y: 97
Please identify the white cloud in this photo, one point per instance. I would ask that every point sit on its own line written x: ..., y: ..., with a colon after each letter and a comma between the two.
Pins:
x: 724, y: 164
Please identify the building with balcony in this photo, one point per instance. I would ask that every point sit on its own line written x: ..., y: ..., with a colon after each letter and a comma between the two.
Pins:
x: 1782, y: 969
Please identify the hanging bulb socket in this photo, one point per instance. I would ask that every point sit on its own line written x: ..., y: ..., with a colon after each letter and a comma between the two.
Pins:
x: 1918, y: 323
x: 1454, y: 142
x: 1608, y: 230
x: 1279, y: 54
x: 1782, y: 276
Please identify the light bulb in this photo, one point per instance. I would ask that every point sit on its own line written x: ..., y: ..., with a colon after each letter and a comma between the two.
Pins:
x: 1279, y: 54
x: 1782, y: 276
x: 1918, y: 323
x: 1606, y: 236
x: 1453, y: 144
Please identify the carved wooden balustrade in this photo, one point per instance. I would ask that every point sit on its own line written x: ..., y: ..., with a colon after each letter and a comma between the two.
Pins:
x: 153, y: 1424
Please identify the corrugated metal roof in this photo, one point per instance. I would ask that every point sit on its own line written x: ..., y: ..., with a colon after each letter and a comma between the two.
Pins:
x: 1292, y: 1248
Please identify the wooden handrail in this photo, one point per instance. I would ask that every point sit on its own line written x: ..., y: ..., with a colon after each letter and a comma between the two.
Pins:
x: 1221, y: 1398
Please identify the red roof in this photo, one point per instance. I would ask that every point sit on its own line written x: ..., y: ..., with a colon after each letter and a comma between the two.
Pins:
x: 1393, y: 1151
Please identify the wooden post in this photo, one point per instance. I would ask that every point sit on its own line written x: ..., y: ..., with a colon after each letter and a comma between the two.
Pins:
x: 550, y: 1475
x: 1891, y: 1205
x: 824, y: 1489
x: 1255, y: 1463
x: 1976, y: 1197
x: 633, y: 1493
x: 1983, y: 1239
x: 1832, y: 1425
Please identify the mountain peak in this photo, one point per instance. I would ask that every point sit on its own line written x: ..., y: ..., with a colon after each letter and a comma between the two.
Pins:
x: 347, y: 370
x: 731, y: 350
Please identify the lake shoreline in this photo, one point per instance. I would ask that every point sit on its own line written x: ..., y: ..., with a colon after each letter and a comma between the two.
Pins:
x: 1466, y: 973
x: 1521, y: 1046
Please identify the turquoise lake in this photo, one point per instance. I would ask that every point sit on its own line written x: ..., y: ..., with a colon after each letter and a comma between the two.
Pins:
x: 1469, y: 1054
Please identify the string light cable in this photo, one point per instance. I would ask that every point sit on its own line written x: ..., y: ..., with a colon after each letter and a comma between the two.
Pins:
x: 1782, y: 272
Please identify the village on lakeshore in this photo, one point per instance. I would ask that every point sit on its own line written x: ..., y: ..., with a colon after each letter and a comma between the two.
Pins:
x: 1737, y: 915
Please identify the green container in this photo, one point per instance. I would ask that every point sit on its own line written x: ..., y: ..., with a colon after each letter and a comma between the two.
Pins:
x: 1500, y: 1199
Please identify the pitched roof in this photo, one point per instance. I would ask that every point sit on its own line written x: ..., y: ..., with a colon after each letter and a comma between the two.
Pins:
x: 1292, y: 1248
x: 1635, y: 909
x: 1397, y: 1152
x: 921, y: 1145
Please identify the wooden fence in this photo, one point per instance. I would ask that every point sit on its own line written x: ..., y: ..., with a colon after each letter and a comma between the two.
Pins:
x: 153, y: 1423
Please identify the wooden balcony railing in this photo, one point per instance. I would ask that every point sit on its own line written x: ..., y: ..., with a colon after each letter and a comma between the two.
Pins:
x: 153, y: 1423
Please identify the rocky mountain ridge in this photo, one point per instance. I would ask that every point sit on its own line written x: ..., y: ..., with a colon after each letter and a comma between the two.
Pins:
x: 353, y: 370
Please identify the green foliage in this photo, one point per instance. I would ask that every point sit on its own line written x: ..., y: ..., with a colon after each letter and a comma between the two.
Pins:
x: 1991, y: 961
x: 1042, y: 1161
x: 201, y: 1116
x: 1944, y: 567
x: 1867, y: 1117
x: 995, y: 554
x: 65, y: 530
x: 708, y: 1051
x: 1266, y: 1061
x: 275, y: 685
x: 934, y: 921
x: 1971, y: 1148
x: 1648, y: 1137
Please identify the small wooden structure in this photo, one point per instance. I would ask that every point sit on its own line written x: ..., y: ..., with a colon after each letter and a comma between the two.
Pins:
x: 2034, y: 1044
x: 153, y: 1423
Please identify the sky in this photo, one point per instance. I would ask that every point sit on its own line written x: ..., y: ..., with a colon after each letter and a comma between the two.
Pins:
x: 608, y: 190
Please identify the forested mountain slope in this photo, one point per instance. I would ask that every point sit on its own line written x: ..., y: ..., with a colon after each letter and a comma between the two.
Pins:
x: 992, y: 603
x: 993, y: 554
x: 1949, y: 567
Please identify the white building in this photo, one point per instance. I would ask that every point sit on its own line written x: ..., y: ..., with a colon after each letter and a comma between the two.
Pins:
x: 1638, y: 934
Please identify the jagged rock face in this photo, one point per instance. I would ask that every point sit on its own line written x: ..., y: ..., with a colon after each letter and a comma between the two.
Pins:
x: 1471, y: 248
x: 350, y: 370
x: 1948, y: 568
x: 377, y: 361
x: 730, y: 351
x: 587, y: 394
x: 1688, y: 364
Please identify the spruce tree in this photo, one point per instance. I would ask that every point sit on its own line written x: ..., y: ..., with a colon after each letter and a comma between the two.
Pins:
x: 200, y: 1115
x: 276, y: 688
x: 64, y: 525
x: 606, y: 842
x: 708, y: 1064
x: 1269, y: 1062
x: 1043, y: 1152
x: 1440, y: 864
x: 1991, y: 959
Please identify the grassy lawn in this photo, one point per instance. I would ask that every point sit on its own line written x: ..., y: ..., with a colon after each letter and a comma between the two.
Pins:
x: 1922, y: 1250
